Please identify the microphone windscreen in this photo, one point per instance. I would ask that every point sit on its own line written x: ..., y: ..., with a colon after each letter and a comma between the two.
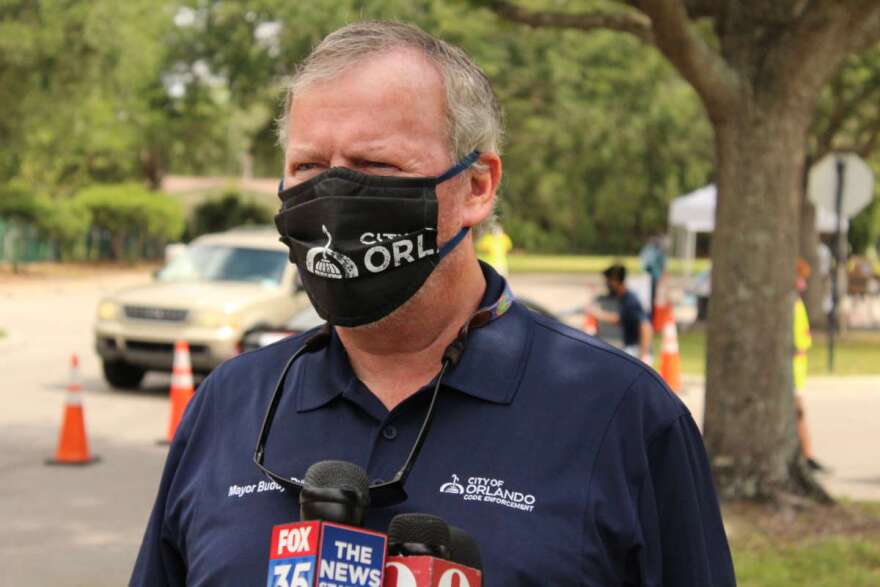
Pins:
x: 419, y: 529
x: 338, y: 475
x: 463, y: 549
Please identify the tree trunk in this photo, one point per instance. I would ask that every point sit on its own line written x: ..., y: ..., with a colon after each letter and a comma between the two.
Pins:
x: 750, y: 416
x: 152, y: 168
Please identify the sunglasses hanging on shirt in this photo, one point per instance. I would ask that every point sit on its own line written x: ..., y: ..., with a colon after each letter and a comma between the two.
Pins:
x: 391, y: 492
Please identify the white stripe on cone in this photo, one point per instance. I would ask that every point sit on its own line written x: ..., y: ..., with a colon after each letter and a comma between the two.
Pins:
x: 181, y: 356
x: 181, y: 374
x: 73, y: 397
x: 670, y: 338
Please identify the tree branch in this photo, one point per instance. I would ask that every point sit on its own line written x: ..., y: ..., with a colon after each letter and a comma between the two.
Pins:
x: 705, y: 69
x: 634, y: 24
x: 869, y: 35
x: 827, y: 34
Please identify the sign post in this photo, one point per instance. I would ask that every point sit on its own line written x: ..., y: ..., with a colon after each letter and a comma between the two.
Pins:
x: 844, y: 183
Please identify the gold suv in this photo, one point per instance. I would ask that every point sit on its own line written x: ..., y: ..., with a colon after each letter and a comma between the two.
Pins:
x: 210, y: 295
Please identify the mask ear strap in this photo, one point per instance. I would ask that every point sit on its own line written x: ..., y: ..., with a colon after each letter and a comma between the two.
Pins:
x: 453, y: 242
x: 280, y: 185
x: 469, y: 160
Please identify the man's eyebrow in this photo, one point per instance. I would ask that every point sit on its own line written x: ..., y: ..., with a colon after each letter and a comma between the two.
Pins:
x: 304, y: 151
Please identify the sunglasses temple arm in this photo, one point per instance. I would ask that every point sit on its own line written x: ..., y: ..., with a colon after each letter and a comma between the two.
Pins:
x: 403, y: 473
x: 270, y: 412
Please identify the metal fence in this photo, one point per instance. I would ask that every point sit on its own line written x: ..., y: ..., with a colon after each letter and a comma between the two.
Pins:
x: 22, y: 243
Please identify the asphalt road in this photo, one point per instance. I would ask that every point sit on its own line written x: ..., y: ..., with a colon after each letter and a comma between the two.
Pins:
x: 81, y: 526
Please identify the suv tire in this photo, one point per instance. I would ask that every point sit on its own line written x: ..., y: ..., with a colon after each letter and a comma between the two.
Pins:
x: 122, y: 375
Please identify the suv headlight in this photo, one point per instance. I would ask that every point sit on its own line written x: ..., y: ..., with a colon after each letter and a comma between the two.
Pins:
x: 108, y: 311
x: 215, y: 319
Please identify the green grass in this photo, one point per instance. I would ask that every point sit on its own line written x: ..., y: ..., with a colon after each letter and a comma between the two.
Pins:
x: 526, y: 263
x: 832, y: 562
x: 854, y: 354
x: 818, y: 546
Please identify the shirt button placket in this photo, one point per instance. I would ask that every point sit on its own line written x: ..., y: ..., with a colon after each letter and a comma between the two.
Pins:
x: 389, y: 432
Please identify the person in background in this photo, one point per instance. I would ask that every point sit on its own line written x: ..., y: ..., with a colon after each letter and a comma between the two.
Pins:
x: 653, y: 260
x: 636, y: 327
x: 493, y: 247
x: 803, y: 340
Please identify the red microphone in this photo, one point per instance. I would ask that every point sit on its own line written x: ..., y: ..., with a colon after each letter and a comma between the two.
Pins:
x: 420, y: 547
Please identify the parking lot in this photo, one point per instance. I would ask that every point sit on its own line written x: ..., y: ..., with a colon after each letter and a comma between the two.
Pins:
x: 82, y: 525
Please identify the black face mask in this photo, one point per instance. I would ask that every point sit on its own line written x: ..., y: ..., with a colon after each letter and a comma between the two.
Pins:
x: 364, y: 244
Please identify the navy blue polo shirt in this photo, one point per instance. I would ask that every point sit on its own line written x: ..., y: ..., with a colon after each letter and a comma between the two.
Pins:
x: 568, y: 461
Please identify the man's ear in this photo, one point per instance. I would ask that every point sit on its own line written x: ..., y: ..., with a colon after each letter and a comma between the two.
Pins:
x: 484, y: 178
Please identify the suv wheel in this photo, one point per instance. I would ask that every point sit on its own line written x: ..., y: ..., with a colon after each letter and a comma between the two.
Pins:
x: 122, y: 375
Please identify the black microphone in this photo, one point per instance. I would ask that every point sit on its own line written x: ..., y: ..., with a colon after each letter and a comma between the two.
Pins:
x: 420, y: 554
x: 418, y: 535
x: 335, y: 491
x: 463, y: 549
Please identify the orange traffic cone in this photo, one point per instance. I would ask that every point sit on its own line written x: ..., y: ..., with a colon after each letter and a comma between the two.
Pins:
x: 670, y: 360
x: 591, y: 325
x: 73, y: 446
x: 181, y: 387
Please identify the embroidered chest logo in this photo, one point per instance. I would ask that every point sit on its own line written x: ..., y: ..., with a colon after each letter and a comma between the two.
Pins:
x: 489, y: 490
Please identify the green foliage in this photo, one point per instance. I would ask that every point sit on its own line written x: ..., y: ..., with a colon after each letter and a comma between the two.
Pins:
x: 75, y: 78
x: 864, y: 229
x: 227, y: 211
x: 19, y: 204
x: 130, y: 211
x: 61, y: 221
x: 601, y: 132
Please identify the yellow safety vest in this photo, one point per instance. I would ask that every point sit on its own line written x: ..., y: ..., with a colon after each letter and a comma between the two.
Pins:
x: 493, y: 249
x: 803, y: 340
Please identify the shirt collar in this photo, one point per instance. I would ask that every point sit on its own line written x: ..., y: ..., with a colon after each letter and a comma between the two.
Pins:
x: 490, y: 368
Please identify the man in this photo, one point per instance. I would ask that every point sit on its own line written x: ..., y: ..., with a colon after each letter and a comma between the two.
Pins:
x: 634, y: 324
x: 653, y: 260
x: 569, y: 462
x: 803, y: 341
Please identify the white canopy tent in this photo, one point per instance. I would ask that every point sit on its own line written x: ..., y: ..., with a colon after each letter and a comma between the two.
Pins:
x: 695, y: 213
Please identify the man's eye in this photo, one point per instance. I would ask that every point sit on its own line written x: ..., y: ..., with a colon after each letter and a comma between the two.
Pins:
x: 306, y: 167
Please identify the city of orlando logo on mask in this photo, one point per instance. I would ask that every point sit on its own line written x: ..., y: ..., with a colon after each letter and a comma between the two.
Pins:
x: 329, y: 264
x: 379, y: 256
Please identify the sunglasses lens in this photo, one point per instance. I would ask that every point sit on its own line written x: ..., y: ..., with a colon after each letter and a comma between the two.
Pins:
x: 387, y: 495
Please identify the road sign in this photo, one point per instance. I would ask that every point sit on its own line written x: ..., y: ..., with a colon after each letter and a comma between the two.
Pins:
x: 858, y: 183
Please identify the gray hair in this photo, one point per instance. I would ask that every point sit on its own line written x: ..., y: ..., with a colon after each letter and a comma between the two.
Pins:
x: 473, y: 115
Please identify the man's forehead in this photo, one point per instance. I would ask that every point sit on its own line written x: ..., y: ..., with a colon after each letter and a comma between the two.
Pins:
x: 397, y: 90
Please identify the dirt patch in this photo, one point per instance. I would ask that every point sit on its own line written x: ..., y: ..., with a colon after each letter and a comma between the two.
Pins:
x: 745, y: 521
x: 74, y: 270
x: 40, y: 277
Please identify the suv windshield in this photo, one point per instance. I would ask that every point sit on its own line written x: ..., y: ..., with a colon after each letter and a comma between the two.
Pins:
x: 225, y: 263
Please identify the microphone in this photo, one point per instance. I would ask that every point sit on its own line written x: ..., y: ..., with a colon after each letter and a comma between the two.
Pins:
x: 335, y: 491
x: 463, y: 549
x: 422, y: 551
x: 418, y: 535
x: 327, y: 548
